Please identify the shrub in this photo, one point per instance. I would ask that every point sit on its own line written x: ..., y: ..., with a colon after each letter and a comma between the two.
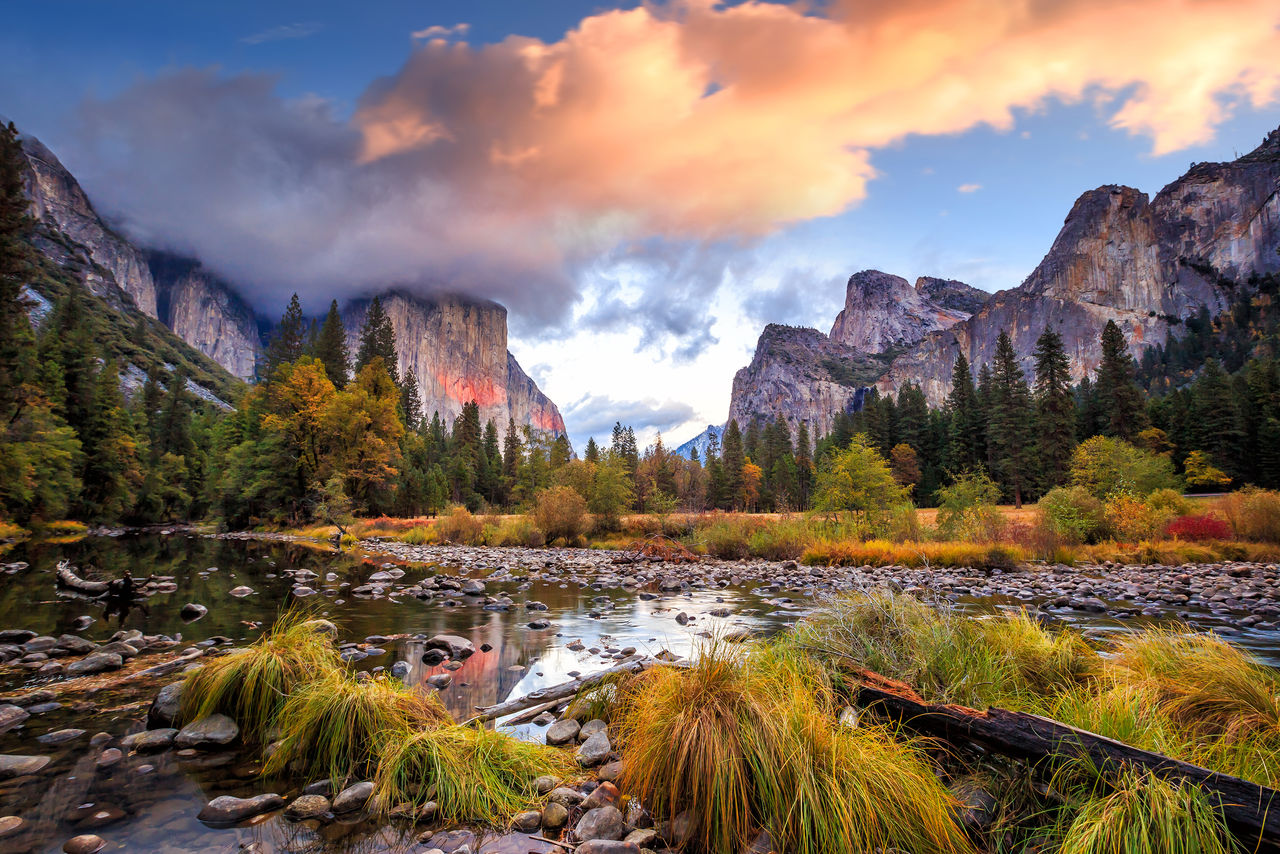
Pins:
x: 560, y: 513
x: 1202, y: 474
x: 461, y: 527
x: 519, y: 531
x: 781, y: 540
x: 1104, y: 465
x: 1130, y: 519
x: 1198, y: 529
x: 1170, y: 501
x: 1072, y: 513
x: 420, y: 535
x: 1254, y: 514
x: 966, y: 508
x: 728, y: 538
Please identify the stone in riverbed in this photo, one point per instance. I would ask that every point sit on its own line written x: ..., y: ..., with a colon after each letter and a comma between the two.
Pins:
x: 307, y: 806
x: 166, y: 705
x: 440, y: 680
x: 240, y: 591
x: 527, y: 822
x: 600, y: 823
x: 76, y: 645
x: 229, y: 810
x: 455, y: 647
x: 151, y: 741
x: 192, y: 611
x: 12, y: 765
x: 10, y: 824
x: 109, y: 757
x: 11, y: 716
x: 608, y: 846
x: 596, y: 750
x: 208, y: 733
x: 565, y: 796
x: 610, y: 771
x: 604, y: 795
x: 86, y: 843
x: 98, y: 662
x: 554, y: 816
x: 60, y: 736
x: 563, y: 732
x: 353, y: 797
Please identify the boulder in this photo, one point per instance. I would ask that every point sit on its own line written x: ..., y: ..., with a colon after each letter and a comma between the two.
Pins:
x: 554, y: 816
x: 229, y: 810
x: 596, y: 750
x: 527, y: 822
x: 563, y: 732
x: 600, y: 823
x: 76, y: 645
x: 307, y: 806
x: 192, y: 611
x: 166, y: 705
x: 454, y: 646
x: 353, y: 797
x: 86, y: 843
x: 208, y: 733
x: 97, y: 662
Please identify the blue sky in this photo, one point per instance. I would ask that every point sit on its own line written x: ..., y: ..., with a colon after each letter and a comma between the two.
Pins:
x: 628, y: 306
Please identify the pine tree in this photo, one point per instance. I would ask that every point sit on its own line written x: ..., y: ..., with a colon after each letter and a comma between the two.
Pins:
x: 16, y: 255
x: 1055, y: 410
x: 174, y: 433
x: 512, y: 455
x: 494, y: 489
x: 732, y: 459
x: 378, y: 338
x: 962, y: 403
x: 287, y: 342
x: 592, y: 454
x: 804, y: 466
x: 410, y: 401
x: 1120, y: 397
x: 1011, y: 428
x: 111, y: 470
x: 331, y: 347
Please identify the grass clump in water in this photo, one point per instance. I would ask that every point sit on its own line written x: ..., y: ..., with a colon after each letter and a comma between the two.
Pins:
x: 251, y: 686
x: 336, y: 726
x: 747, y: 740
x: 1144, y: 814
x: 474, y: 774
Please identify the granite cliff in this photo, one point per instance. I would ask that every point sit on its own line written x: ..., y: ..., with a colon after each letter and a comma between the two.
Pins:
x: 457, y: 349
x: 883, y: 312
x: 207, y: 313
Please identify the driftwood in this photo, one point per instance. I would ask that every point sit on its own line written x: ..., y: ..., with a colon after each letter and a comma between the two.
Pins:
x: 167, y: 667
x: 562, y: 691
x: 529, y: 714
x: 1251, y: 812
x: 67, y: 578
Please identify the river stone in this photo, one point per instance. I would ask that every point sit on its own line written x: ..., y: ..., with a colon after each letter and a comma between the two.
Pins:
x: 76, y: 645
x: 86, y: 843
x: 12, y: 765
x: 594, y: 751
x: 604, y: 795
x: 401, y: 669
x: 228, y: 810
x: 307, y: 806
x: 472, y: 587
x: 121, y: 648
x: 152, y: 741
x: 645, y: 837
x: 600, y: 823
x: 11, y: 716
x: 440, y: 680
x: 97, y: 662
x: 192, y: 611
x: 60, y: 736
x: 16, y: 635
x: 456, y: 647
x: 93, y: 816
x: 610, y: 771
x: 10, y: 824
x: 592, y: 727
x: 527, y: 822
x: 608, y: 846
x: 44, y: 643
x: 240, y: 591
x: 565, y: 796
x: 545, y: 784
x: 554, y: 816
x: 353, y: 797
x: 563, y: 732
x: 166, y: 705
x: 322, y: 627
x: 207, y: 733
x: 109, y: 757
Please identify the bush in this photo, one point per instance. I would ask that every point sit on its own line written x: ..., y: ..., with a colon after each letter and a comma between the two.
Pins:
x: 1072, y: 513
x: 519, y: 531
x: 1104, y: 465
x: 1254, y: 514
x: 1131, y: 519
x: 561, y: 513
x: 782, y: 540
x: 461, y: 527
x: 1170, y: 501
x: 966, y: 508
x: 729, y: 538
x: 1198, y: 529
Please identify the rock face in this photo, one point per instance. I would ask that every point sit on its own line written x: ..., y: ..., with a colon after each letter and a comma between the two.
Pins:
x: 205, y: 312
x: 1119, y: 256
x: 883, y: 312
x: 457, y: 349
x: 803, y: 376
x: 701, y: 442
x: 58, y: 199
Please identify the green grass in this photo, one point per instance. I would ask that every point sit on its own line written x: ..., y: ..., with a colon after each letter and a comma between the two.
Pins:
x: 336, y: 726
x: 251, y: 686
x: 1147, y: 815
x: 747, y: 739
x: 474, y: 774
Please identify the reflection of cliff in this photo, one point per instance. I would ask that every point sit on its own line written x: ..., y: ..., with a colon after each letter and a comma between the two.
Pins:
x: 486, y: 677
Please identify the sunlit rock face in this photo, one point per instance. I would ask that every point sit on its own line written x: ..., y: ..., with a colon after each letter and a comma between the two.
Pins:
x: 457, y: 349
x: 1143, y: 263
x: 58, y: 200
x: 884, y: 312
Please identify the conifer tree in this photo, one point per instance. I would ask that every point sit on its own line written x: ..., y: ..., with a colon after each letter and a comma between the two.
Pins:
x: 15, y: 263
x: 287, y: 344
x: 111, y: 470
x: 592, y: 453
x: 732, y: 459
x: 331, y: 347
x: 1120, y: 397
x: 378, y: 339
x: 965, y: 427
x: 410, y: 401
x: 512, y: 455
x: 1011, y: 428
x: 1055, y: 410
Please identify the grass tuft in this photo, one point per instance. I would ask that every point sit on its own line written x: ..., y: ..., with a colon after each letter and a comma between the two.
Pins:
x: 1147, y: 814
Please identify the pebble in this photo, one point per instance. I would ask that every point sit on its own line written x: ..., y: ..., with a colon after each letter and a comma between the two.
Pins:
x: 84, y: 844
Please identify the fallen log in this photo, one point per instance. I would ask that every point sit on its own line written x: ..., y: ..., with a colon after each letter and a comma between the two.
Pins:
x: 1251, y: 812
x: 562, y: 691
x: 68, y: 579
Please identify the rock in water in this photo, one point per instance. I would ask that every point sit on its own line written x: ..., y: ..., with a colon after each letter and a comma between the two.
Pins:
x: 20, y: 766
x: 353, y: 797
x: 229, y: 810
x: 98, y: 662
x: 456, y: 647
x: 307, y: 806
x: 207, y: 733
x: 166, y: 705
x: 192, y: 611
x: 600, y: 823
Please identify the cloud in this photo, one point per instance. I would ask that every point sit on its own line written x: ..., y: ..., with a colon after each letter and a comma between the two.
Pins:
x: 968, y: 188
x: 801, y: 297
x: 595, y: 415
x: 284, y: 32
x: 507, y: 170
x: 437, y: 31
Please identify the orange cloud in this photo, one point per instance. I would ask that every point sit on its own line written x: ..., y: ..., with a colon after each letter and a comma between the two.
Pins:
x: 697, y: 119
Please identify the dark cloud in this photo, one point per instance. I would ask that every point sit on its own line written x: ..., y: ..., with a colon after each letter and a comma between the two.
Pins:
x: 800, y: 298
x: 595, y: 415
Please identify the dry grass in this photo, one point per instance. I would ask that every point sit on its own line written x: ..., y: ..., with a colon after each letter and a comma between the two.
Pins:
x: 885, y: 553
x: 1147, y: 815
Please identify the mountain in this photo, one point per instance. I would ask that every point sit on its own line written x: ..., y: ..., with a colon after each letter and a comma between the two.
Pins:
x: 457, y: 349
x: 701, y: 442
x: 1146, y: 263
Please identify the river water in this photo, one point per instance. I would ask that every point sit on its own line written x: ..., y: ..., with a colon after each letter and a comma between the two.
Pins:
x: 150, y: 802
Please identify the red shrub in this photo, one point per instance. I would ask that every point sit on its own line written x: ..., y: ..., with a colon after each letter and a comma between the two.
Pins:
x: 1197, y: 529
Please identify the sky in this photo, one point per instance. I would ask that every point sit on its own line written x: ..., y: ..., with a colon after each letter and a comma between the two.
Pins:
x: 644, y: 186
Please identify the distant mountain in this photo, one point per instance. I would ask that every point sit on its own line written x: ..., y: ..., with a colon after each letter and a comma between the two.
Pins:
x: 700, y: 442
x: 1147, y: 264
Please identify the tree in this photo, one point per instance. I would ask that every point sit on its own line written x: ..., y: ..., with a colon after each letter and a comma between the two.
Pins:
x: 1055, y: 410
x: 905, y: 463
x: 112, y: 472
x: 410, y: 401
x: 1202, y: 475
x: 1105, y: 465
x: 378, y: 341
x: 16, y: 257
x: 857, y: 480
x: 364, y: 430
x: 612, y: 494
x: 287, y: 342
x: 1010, y: 430
x: 331, y: 347
x: 732, y: 460
x: 1120, y: 398
x: 592, y: 454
